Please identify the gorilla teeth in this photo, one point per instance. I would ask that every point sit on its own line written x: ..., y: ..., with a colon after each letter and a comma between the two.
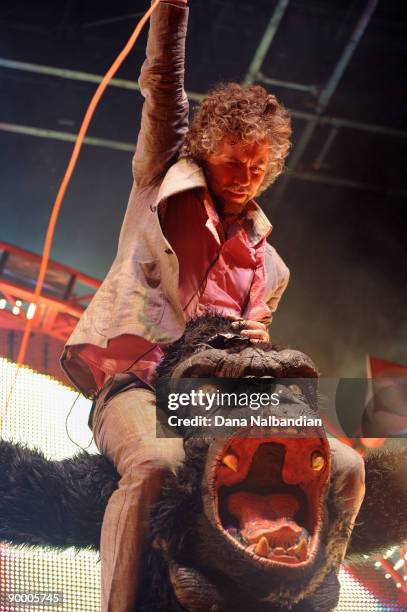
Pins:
x: 265, y: 549
x: 231, y: 461
x: 262, y: 547
x: 300, y: 551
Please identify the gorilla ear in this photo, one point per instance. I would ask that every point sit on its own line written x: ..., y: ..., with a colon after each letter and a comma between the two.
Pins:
x: 382, y: 519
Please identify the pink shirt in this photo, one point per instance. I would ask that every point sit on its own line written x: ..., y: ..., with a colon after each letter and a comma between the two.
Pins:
x: 221, y: 272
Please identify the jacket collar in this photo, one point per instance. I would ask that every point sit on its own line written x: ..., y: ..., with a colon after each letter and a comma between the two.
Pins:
x: 182, y: 176
x: 186, y: 174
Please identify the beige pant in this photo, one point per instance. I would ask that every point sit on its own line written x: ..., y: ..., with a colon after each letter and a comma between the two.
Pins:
x: 124, y: 429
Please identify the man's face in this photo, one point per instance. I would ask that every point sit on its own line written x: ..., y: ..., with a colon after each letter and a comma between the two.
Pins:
x: 234, y: 173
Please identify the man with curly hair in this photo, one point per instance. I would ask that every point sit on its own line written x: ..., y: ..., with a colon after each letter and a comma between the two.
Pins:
x: 193, y: 238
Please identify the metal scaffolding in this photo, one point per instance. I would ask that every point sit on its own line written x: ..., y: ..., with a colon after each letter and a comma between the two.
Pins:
x: 323, y: 100
x: 313, y: 120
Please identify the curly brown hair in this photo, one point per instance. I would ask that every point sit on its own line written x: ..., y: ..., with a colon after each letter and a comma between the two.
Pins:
x: 240, y: 114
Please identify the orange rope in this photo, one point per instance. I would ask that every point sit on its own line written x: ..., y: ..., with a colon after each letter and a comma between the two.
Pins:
x: 65, y: 182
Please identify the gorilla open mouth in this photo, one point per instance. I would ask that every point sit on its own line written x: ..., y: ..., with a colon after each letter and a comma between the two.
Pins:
x: 266, y: 502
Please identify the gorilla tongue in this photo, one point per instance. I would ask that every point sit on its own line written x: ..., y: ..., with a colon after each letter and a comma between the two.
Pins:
x: 267, y: 521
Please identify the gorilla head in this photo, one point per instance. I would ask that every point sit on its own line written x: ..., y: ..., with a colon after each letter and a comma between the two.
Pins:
x: 250, y: 521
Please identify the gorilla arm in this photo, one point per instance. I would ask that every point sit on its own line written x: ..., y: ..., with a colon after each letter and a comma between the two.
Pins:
x: 53, y: 503
x: 382, y: 520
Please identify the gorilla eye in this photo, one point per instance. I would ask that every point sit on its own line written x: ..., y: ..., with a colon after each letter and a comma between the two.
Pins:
x: 317, y: 461
x: 208, y: 388
x: 296, y: 389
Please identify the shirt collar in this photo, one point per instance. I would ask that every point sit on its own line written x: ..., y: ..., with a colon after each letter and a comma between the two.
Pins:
x: 255, y: 222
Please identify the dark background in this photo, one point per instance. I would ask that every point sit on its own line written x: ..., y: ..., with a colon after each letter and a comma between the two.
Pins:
x: 338, y: 216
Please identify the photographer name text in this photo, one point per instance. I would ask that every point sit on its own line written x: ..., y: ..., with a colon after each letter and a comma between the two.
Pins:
x: 254, y: 421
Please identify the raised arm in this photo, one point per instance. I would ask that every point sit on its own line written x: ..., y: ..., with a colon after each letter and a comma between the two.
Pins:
x: 165, y: 112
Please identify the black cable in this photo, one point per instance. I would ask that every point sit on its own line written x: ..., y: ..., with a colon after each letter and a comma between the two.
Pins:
x: 66, y: 426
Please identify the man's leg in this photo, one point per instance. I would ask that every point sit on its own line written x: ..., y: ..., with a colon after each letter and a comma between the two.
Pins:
x: 124, y: 430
